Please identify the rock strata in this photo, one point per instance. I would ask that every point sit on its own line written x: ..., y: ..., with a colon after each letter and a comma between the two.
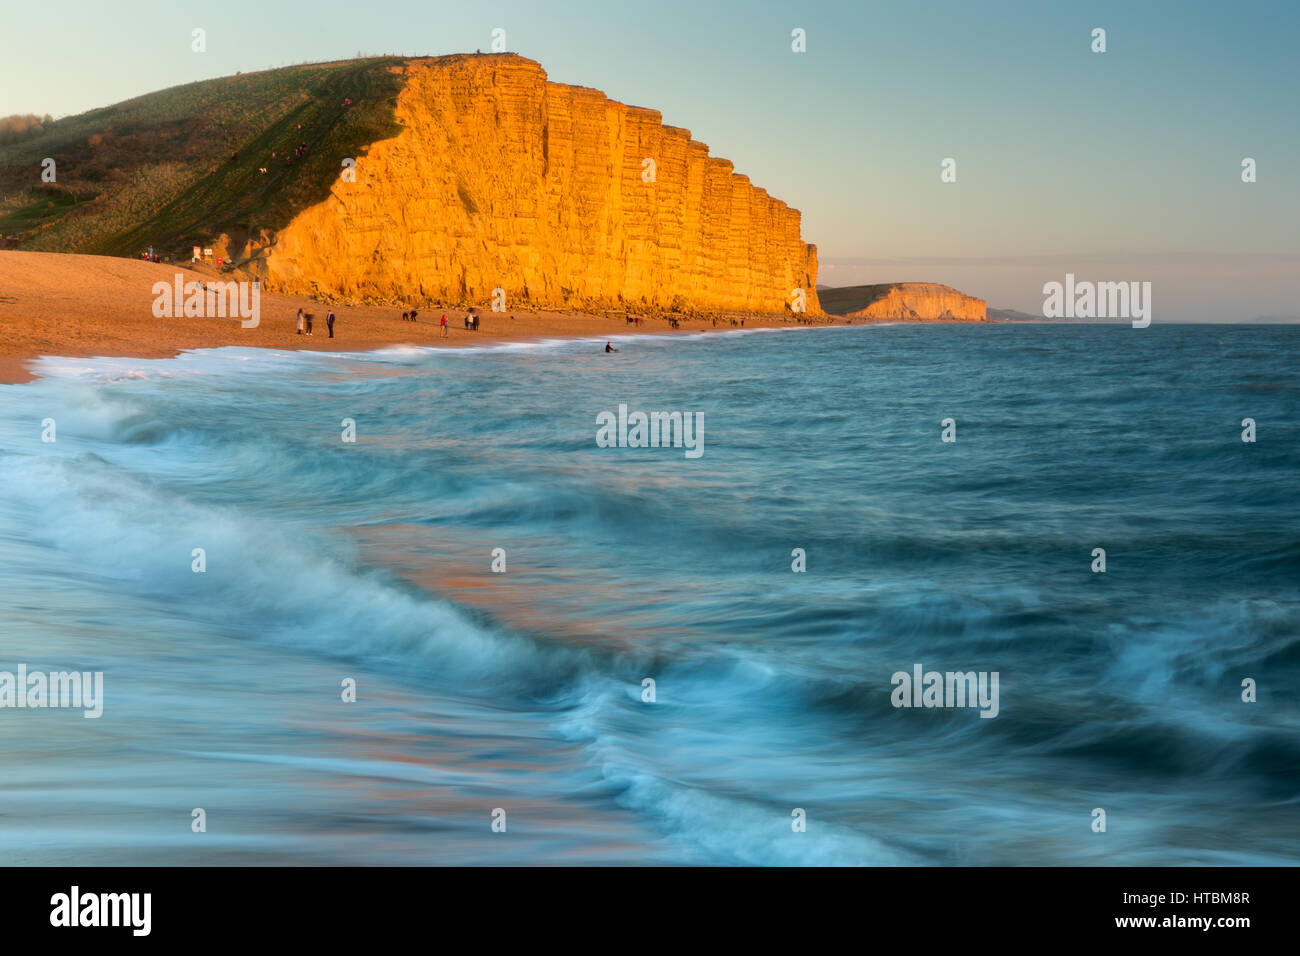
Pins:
x: 553, y: 194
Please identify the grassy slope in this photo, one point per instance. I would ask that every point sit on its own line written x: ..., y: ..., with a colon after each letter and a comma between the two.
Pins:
x: 846, y: 299
x: 157, y: 170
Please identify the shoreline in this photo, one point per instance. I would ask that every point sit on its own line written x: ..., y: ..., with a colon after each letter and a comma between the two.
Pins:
x: 68, y: 305
x: 72, y: 305
x: 16, y: 369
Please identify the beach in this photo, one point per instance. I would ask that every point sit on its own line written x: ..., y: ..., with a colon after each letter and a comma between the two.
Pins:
x: 82, y: 306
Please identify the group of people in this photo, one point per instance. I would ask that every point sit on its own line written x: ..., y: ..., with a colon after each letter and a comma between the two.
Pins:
x: 471, y: 321
x: 299, y: 152
x: 442, y: 323
x: 304, y: 323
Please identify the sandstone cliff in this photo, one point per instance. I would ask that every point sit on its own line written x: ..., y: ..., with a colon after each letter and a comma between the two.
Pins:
x: 501, y: 179
x: 904, y: 301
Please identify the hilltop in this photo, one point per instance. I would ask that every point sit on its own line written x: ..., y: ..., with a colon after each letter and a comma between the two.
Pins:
x: 181, y: 166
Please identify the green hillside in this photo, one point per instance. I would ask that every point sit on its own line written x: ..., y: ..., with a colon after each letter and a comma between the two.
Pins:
x: 842, y: 300
x: 181, y: 166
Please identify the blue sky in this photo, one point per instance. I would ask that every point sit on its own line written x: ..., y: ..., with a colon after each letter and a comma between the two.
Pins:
x: 1117, y: 165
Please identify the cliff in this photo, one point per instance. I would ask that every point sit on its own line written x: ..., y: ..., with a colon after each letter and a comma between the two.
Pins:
x: 904, y: 301
x: 501, y: 179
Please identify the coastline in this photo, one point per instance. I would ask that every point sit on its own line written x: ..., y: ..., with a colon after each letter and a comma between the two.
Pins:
x: 83, y: 306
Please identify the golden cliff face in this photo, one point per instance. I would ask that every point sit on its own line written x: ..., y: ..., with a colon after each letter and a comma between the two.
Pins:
x: 905, y: 301
x: 501, y: 179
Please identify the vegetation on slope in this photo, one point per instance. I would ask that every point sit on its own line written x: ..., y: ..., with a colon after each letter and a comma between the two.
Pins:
x: 179, y: 167
x: 845, y: 299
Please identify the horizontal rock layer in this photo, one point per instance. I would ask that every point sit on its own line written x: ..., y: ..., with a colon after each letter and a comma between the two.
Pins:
x: 504, y: 180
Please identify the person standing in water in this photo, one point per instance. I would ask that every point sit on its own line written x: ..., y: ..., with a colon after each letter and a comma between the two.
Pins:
x: 610, y: 348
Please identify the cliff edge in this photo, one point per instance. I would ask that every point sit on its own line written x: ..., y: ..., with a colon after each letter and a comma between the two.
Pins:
x: 552, y: 194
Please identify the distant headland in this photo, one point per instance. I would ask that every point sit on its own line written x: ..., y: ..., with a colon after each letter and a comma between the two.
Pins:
x: 904, y: 302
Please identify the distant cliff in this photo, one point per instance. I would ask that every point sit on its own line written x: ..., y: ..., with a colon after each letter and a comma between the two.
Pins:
x: 904, y: 302
x: 503, y: 180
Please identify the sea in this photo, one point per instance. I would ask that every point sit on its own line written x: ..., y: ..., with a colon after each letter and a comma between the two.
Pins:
x: 403, y: 607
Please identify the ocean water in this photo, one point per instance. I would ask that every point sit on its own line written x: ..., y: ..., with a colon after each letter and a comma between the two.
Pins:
x: 522, y: 691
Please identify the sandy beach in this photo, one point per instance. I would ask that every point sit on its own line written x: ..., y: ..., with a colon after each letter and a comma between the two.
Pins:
x: 80, y: 305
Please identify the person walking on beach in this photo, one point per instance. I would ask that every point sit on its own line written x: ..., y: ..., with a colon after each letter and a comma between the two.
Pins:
x: 444, y: 325
x: 329, y: 323
x: 300, y: 322
x: 309, y: 317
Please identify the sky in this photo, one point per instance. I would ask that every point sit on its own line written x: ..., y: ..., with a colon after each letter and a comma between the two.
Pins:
x: 1115, y: 166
